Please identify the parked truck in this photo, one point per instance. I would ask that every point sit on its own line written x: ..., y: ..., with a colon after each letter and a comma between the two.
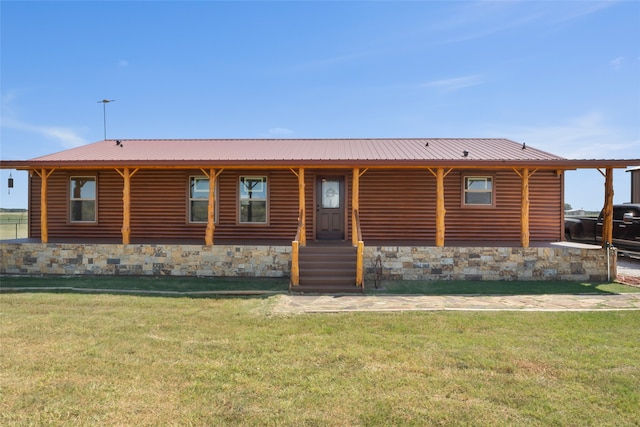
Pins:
x: 626, y: 228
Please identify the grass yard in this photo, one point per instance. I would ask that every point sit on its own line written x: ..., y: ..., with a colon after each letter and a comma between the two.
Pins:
x: 130, y: 360
x: 196, y: 285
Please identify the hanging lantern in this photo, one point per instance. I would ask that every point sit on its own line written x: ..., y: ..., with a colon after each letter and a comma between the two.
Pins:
x: 10, y: 182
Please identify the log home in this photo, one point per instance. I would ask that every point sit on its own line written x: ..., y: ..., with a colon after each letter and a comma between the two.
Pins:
x: 346, y: 203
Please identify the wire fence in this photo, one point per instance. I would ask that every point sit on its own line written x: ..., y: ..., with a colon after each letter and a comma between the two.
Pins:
x: 14, y: 228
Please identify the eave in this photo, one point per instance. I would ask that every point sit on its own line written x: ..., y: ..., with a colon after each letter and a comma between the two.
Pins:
x: 561, y: 164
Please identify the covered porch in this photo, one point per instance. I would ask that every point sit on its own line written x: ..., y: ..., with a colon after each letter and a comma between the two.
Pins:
x: 428, y: 209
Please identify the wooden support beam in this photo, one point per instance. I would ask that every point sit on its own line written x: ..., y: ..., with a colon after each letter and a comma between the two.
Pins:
x: 355, y: 204
x: 302, y: 207
x: 607, y: 220
x: 213, y: 175
x: 440, y: 209
x: 441, y: 212
x: 211, y: 208
x: 126, y: 207
x: 126, y: 175
x: 44, y: 223
x: 524, y: 211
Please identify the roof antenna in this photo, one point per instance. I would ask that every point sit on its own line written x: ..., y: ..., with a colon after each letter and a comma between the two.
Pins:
x: 104, y: 114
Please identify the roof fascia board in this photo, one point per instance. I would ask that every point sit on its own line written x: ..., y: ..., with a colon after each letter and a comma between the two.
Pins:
x: 323, y: 164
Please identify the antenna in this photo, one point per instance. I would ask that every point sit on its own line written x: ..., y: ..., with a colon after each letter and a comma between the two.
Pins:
x: 104, y: 114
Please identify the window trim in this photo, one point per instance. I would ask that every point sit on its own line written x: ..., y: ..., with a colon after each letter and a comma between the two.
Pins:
x: 491, y: 192
x: 191, y: 199
x: 266, y: 180
x: 72, y: 199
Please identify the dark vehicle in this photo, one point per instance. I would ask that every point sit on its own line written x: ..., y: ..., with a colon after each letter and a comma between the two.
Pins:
x: 626, y: 228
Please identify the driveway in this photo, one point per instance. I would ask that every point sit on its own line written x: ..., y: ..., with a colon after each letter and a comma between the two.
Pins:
x: 628, y: 271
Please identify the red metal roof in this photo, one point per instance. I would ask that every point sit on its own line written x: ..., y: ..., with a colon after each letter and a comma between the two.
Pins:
x: 274, y: 150
x: 305, y: 152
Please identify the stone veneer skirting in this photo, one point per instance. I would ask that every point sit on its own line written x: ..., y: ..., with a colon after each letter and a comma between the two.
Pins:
x: 398, y: 262
x: 491, y: 263
x: 145, y: 260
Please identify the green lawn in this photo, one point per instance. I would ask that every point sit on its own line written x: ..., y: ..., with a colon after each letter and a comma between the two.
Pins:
x: 225, y: 284
x: 73, y: 359
x: 148, y: 283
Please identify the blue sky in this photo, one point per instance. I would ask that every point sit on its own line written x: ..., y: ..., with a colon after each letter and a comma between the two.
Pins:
x: 561, y: 76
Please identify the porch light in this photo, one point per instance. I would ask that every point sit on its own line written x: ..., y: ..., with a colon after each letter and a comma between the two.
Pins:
x: 10, y: 182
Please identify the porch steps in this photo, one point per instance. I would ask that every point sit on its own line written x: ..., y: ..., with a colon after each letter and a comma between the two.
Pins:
x: 327, y: 269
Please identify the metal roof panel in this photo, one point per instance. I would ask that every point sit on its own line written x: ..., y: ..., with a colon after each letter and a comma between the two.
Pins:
x: 317, y: 150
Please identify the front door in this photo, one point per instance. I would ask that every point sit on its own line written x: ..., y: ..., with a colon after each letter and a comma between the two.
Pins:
x: 330, y: 208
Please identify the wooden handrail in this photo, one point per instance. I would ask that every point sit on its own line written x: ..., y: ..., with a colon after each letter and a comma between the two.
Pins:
x: 356, y: 226
x: 295, y: 267
x: 359, y: 250
x: 295, y: 246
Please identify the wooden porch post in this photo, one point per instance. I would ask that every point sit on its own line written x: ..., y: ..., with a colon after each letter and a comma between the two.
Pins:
x: 302, y: 208
x: 440, y: 209
x: 211, y: 208
x: 607, y: 225
x: 212, y: 174
x: 44, y: 214
x: 355, y: 204
x: 126, y: 207
x: 524, y: 205
x: 524, y: 213
x: 44, y: 225
x: 126, y: 175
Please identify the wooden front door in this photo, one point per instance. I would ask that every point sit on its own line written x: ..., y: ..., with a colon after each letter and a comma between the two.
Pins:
x: 330, y: 208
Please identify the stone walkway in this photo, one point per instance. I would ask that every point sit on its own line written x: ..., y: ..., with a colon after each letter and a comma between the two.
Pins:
x: 298, y: 304
x: 628, y: 272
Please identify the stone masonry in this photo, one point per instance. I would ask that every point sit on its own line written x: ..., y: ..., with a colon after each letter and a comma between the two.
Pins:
x: 490, y: 263
x: 145, y: 260
x: 398, y: 262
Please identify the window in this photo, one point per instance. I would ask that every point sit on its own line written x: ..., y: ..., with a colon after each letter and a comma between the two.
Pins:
x: 199, y: 199
x: 82, y: 198
x: 478, y: 190
x: 253, y: 199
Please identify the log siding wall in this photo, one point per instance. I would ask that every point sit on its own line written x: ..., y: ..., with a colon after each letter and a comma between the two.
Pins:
x: 394, y: 205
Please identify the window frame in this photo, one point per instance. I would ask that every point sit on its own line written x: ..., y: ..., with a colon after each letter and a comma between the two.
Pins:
x: 191, y: 199
x: 72, y: 199
x: 491, y: 192
x: 265, y: 199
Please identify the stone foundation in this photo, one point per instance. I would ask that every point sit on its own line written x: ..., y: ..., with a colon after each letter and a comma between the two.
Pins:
x: 145, y: 260
x: 490, y: 263
x: 398, y: 262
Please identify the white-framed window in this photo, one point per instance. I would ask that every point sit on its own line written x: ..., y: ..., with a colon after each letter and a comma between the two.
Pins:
x: 253, y: 200
x: 478, y: 191
x: 199, y: 199
x: 82, y: 198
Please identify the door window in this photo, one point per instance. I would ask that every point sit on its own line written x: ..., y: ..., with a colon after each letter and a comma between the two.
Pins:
x: 330, y: 193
